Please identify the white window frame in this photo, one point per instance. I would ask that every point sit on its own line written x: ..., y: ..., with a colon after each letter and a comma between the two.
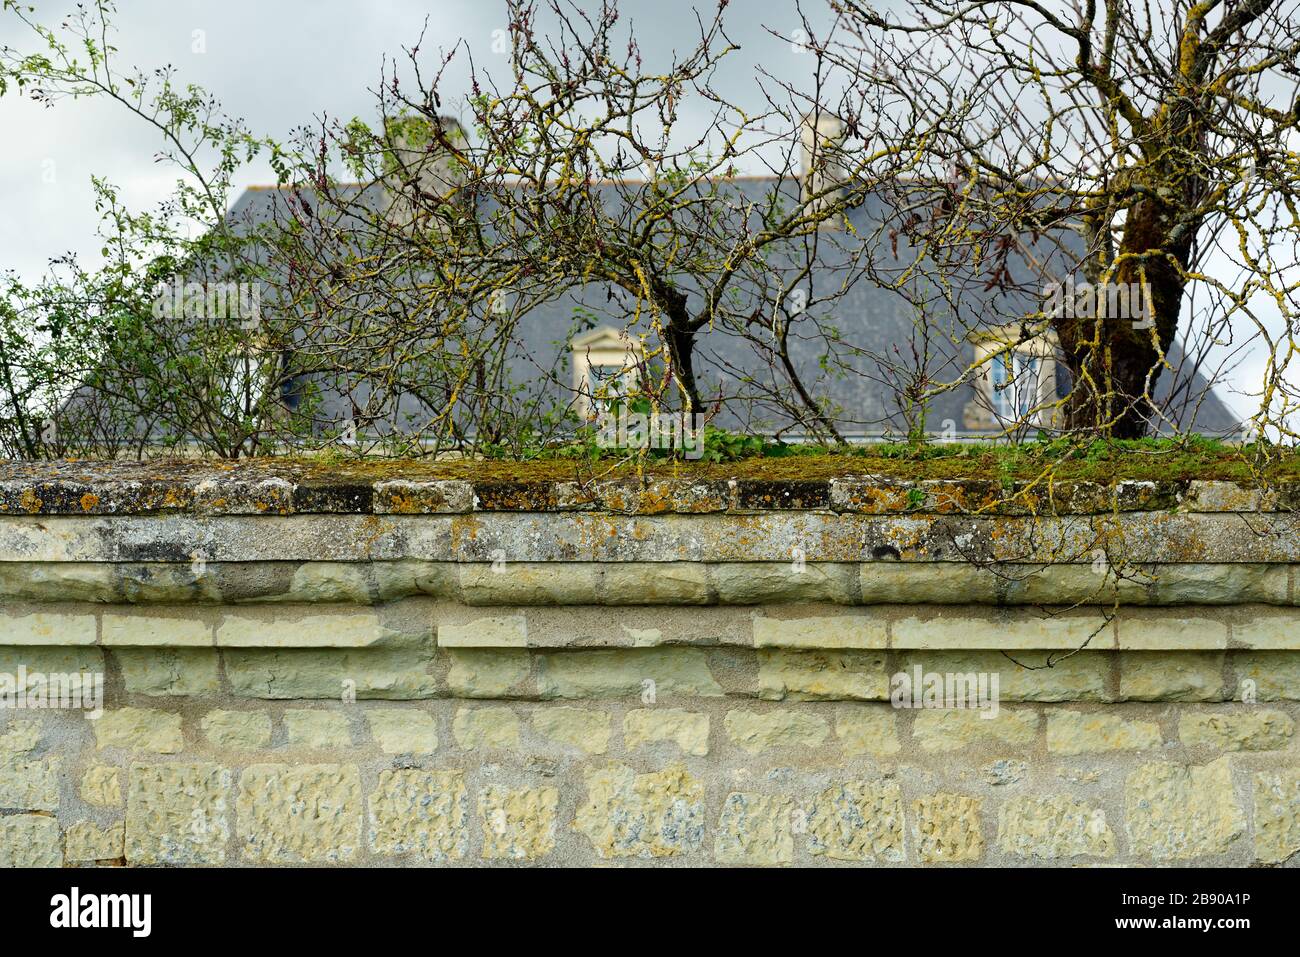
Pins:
x: 604, y: 348
x: 1030, y: 397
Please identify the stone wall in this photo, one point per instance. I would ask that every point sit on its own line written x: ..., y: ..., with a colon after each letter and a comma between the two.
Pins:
x: 676, y: 673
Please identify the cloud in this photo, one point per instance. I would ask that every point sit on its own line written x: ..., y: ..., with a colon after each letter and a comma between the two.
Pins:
x: 276, y: 65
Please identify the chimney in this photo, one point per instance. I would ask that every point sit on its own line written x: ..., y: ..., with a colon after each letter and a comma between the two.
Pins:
x: 419, y: 173
x: 822, y: 137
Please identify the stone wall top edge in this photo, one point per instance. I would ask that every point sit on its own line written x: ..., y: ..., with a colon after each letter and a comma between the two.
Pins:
x: 1121, y: 540
x: 73, y: 488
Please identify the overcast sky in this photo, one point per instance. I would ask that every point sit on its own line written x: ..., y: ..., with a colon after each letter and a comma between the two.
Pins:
x: 279, y: 64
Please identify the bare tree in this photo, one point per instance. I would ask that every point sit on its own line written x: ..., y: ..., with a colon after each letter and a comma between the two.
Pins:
x: 961, y: 151
x: 1133, y: 133
x: 573, y: 171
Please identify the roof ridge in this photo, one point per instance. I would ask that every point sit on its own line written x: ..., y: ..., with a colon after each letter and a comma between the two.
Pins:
x: 747, y: 178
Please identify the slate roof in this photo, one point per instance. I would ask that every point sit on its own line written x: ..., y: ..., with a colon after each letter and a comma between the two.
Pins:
x: 876, y: 320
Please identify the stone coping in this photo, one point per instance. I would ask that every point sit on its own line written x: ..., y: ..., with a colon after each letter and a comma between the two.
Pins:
x: 1118, y: 540
x: 687, y: 585
x: 205, y: 488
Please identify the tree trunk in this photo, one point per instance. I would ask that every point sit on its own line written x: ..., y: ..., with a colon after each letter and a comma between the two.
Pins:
x: 681, y: 350
x: 1115, y: 360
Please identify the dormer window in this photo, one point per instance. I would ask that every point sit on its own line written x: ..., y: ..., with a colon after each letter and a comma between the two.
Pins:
x: 609, y: 384
x: 1015, y: 378
x: 606, y: 364
x: 1017, y: 384
x: 245, y: 378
